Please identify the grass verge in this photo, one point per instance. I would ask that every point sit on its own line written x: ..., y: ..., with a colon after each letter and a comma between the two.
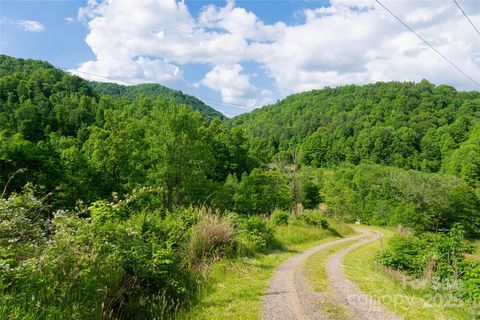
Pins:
x: 236, y: 286
x: 405, y: 300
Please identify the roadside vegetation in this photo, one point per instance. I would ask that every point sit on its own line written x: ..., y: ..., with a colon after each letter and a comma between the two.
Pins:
x: 113, y: 260
x: 415, y: 277
x: 235, y: 287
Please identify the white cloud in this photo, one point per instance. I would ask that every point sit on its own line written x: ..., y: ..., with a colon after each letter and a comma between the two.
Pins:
x: 129, y: 71
x: 350, y: 41
x: 26, y: 25
x: 30, y: 25
x: 234, y: 86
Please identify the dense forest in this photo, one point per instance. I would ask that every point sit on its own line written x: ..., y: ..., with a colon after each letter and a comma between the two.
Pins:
x: 111, y: 195
x: 153, y: 91
x: 410, y: 126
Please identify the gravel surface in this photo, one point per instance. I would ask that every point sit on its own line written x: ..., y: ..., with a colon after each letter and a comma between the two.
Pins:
x: 347, y: 293
x: 289, y: 295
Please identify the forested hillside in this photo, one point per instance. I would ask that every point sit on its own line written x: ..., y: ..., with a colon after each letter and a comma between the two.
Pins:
x: 153, y: 90
x: 56, y: 131
x: 411, y: 126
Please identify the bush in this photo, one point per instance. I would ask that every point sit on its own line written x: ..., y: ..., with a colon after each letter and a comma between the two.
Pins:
x: 429, y: 254
x: 255, y: 234
x: 212, y: 237
x: 23, y: 226
x: 310, y: 194
x: 157, y: 278
x: 111, y: 263
x: 406, y: 254
x: 279, y: 217
x: 471, y: 284
x: 262, y: 191
x: 314, y: 218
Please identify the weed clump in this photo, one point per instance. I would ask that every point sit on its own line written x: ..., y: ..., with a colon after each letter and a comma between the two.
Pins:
x: 213, y: 237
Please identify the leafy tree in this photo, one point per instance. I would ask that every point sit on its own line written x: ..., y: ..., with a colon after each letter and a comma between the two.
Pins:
x: 179, y: 154
x: 310, y: 194
x: 465, y: 161
x: 117, y: 152
x: 262, y: 191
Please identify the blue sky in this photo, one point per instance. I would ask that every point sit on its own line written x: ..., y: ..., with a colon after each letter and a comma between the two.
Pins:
x: 244, y: 54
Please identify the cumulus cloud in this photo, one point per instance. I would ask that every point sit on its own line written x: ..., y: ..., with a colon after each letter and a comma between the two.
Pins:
x: 348, y: 41
x: 234, y: 86
x: 129, y: 71
x: 26, y: 25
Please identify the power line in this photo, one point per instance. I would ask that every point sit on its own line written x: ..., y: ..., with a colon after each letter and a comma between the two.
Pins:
x: 428, y: 44
x: 474, y: 27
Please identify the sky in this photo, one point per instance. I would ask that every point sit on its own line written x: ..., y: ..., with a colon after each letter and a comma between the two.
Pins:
x: 240, y: 55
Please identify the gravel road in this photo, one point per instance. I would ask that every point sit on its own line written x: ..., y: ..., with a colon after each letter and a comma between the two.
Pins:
x: 347, y: 293
x: 290, y: 297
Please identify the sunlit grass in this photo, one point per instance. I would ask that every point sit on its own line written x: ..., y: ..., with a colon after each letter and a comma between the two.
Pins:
x: 237, y: 286
x: 409, y: 303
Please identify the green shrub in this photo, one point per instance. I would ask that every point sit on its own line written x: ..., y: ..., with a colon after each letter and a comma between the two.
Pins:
x: 255, y: 234
x: 261, y: 192
x: 279, y: 217
x: 405, y: 253
x: 76, y: 272
x: 212, y: 237
x: 310, y: 194
x: 107, y: 262
x: 23, y: 226
x: 157, y: 278
x: 429, y: 254
x: 471, y: 284
x: 314, y: 218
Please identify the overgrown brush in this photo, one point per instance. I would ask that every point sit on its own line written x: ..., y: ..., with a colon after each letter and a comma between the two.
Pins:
x: 313, y: 218
x: 110, y: 263
x: 255, y: 235
x: 437, y: 259
x: 213, y: 237
x: 279, y: 217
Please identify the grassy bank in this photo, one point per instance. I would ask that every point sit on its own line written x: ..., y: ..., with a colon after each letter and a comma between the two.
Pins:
x: 236, y: 286
x: 401, y: 297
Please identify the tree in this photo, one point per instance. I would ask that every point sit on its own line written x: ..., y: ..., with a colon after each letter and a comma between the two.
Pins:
x: 465, y: 161
x: 117, y: 152
x: 179, y: 155
x: 262, y: 191
x: 310, y: 194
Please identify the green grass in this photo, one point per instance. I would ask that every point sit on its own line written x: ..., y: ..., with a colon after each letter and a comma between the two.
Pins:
x: 476, y: 248
x: 315, y: 271
x: 404, y: 300
x: 315, y: 267
x: 236, y: 286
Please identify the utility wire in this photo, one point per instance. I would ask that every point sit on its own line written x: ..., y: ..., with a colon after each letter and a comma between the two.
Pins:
x: 428, y: 44
x: 474, y: 27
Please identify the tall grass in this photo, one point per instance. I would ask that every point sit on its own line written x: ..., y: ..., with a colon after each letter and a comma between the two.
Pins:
x: 213, y: 237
